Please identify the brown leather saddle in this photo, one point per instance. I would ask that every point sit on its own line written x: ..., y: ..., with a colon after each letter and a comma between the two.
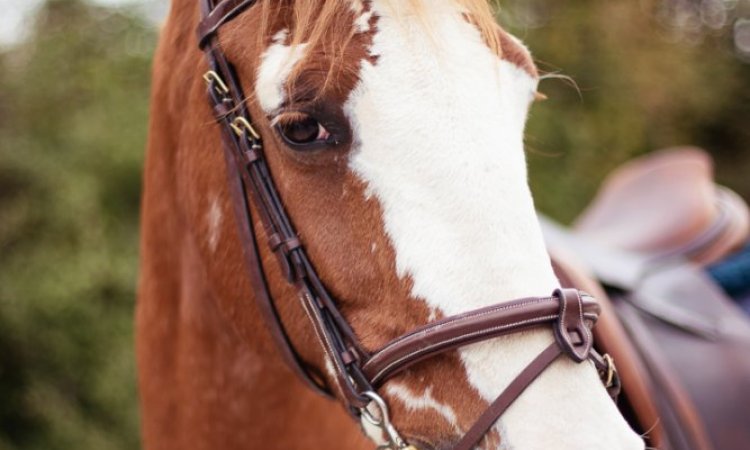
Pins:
x: 681, y: 346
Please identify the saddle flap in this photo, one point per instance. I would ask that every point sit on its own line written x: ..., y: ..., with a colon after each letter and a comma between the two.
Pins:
x: 667, y: 204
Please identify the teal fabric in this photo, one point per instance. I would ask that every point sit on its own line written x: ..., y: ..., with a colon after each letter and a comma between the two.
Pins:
x: 733, y: 275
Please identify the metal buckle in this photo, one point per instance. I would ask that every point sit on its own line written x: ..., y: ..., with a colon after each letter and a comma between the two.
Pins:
x: 215, y: 81
x: 240, y: 125
x: 395, y: 442
x: 611, y: 371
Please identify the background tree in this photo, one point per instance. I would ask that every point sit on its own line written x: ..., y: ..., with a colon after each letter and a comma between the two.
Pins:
x: 73, y: 112
x: 647, y: 80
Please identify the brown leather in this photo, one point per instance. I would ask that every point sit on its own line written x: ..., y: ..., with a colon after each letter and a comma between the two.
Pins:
x: 571, y: 331
x: 511, y: 393
x: 253, y: 191
x: 732, y: 229
x: 243, y: 214
x: 693, y: 348
x: 524, y: 379
x: 612, y: 338
x: 217, y: 15
x: 704, y: 377
x: 257, y: 278
x: 479, y: 325
x: 677, y: 412
x: 666, y: 204
x: 692, y: 343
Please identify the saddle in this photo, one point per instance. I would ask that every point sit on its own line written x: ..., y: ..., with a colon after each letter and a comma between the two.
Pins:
x: 681, y: 346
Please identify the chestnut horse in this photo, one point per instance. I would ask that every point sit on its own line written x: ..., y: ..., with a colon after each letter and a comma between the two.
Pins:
x: 394, y: 132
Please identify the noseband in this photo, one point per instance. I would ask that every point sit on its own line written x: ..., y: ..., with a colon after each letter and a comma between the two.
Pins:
x: 358, y: 372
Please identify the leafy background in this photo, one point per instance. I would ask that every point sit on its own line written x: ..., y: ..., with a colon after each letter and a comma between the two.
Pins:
x: 73, y: 116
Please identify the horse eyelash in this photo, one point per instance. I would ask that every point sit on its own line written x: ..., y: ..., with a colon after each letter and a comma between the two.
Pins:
x: 288, y: 118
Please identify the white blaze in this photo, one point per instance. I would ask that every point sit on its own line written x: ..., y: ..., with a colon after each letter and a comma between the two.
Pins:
x: 415, y: 403
x: 439, y: 142
x: 275, y: 67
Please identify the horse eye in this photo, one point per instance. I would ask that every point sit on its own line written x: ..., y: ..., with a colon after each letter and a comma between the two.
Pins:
x: 302, y: 129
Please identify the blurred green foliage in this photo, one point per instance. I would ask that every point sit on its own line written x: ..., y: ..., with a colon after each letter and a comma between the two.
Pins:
x: 639, y: 88
x: 73, y: 115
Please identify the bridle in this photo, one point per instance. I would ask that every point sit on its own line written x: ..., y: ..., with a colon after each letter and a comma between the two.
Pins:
x: 358, y: 372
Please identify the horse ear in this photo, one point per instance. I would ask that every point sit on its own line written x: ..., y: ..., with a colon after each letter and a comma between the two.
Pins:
x: 515, y: 52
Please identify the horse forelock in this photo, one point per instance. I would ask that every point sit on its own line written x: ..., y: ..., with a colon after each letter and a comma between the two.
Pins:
x: 337, y: 35
x: 312, y: 20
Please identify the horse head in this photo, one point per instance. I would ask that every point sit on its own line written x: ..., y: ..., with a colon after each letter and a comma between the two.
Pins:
x: 394, y: 134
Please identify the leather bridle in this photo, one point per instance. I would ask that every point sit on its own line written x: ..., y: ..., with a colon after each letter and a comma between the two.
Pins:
x: 358, y: 372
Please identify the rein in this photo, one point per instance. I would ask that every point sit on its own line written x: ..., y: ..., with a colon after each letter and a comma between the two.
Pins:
x: 359, y: 373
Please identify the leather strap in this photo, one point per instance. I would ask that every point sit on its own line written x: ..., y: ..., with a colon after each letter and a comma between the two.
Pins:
x: 508, y: 396
x: 227, y: 100
x: 474, y: 326
x: 218, y: 16
x: 571, y: 331
x: 243, y: 215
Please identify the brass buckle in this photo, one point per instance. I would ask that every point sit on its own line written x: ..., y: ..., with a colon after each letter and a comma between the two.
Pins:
x: 215, y: 81
x: 240, y: 125
x: 611, y: 370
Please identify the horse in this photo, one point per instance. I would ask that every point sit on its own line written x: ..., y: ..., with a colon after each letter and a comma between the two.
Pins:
x: 393, y: 133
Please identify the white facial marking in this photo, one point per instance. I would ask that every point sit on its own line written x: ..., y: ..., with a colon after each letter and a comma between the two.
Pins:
x: 376, y: 434
x: 415, y: 403
x: 500, y: 430
x: 357, y: 7
x: 438, y: 124
x: 275, y: 66
x: 362, y: 23
x: 214, y: 218
x: 280, y: 37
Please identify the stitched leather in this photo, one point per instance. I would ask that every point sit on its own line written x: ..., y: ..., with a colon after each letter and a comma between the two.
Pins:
x: 458, y: 331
